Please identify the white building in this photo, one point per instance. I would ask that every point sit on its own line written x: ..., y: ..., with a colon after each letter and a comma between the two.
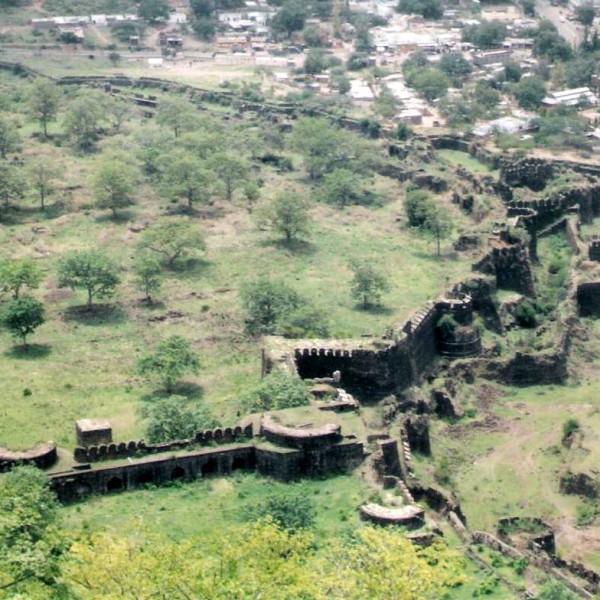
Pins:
x: 574, y: 97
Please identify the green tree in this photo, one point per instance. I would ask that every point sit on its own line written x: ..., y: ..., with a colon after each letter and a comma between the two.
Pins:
x: 455, y: 65
x: 486, y: 34
x: 585, y: 14
x: 9, y: 136
x: 230, y: 169
x: 512, y: 72
x: 175, y: 418
x: 266, y: 302
x: 549, y: 44
x: 313, y: 36
x: 22, y: 316
x: 114, y: 58
x: 149, y: 274
x: 570, y: 426
x: 437, y: 225
x: 288, y: 215
x: 251, y: 194
x: 204, y: 28
x: 276, y: 391
x: 176, y: 113
x: 114, y: 183
x: 324, y: 146
x: 291, y: 511
x: 315, y: 62
x: 83, y: 119
x: 530, y: 92
x: 17, y: 274
x: 290, y: 17
x: 417, y: 204
x: 89, y: 270
x: 555, y: 590
x: 173, y: 240
x: 186, y: 176
x: 153, y: 147
x: 261, y: 559
x: 171, y: 360
x: 485, y: 96
x: 431, y: 83
x: 42, y: 175
x: 31, y: 543
x: 368, y: 284
x: 12, y: 183
x: 342, y: 187
x: 43, y: 102
x: 428, y: 9
x: 153, y: 10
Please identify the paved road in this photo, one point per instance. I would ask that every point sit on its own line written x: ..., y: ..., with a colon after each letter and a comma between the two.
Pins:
x: 570, y: 30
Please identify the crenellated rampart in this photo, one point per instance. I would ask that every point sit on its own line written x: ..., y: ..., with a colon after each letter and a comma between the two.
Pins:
x: 114, y: 451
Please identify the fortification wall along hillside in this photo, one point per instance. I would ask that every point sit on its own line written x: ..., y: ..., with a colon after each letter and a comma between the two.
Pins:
x: 284, y: 453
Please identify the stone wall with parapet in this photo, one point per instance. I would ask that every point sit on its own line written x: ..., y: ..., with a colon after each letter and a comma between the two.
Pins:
x: 324, y: 455
x: 42, y: 456
x: 220, y: 435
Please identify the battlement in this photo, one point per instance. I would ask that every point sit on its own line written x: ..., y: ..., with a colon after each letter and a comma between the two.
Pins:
x: 140, y: 448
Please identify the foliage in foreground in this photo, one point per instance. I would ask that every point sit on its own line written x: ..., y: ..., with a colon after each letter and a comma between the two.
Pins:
x: 261, y: 560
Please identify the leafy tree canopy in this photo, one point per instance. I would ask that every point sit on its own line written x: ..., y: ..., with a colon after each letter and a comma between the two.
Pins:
x: 175, y: 418
x: 171, y: 360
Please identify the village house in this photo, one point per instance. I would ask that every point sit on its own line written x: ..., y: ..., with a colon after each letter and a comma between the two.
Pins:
x: 575, y: 97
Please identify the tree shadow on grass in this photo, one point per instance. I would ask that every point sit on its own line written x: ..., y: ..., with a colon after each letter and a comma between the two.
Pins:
x: 188, y: 389
x: 29, y: 352
x: 374, y: 309
x: 192, y: 267
x: 122, y: 216
x: 99, y: 314
x: 295, y: 247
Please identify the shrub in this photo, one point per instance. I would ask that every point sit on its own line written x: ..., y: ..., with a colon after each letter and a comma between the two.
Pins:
x: 570, y: 426
x: 447, y: 325
x: 527, y: 314
x: 276, y: 391
x: 292, y: 511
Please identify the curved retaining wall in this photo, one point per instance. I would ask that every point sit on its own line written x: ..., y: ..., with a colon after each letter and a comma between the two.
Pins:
x: 42, y: 456
x: 296, y: 437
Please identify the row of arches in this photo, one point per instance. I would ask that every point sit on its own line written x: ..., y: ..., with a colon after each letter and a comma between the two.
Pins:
x: 118, y: 483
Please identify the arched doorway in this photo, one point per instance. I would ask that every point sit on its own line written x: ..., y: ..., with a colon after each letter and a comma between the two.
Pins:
x: 239, y: 462
x: 114, y: 484
x: 210, y: 467
x: 178, y: 473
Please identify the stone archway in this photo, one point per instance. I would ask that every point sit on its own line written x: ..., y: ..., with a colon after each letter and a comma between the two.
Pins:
x: 178, y: 473
x: 210, y: 467
x: 114, y: 484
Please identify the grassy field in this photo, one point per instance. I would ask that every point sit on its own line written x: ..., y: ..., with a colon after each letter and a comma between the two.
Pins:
x: 84, y: 366
x: 197, y: 508
x: 462, y: 159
